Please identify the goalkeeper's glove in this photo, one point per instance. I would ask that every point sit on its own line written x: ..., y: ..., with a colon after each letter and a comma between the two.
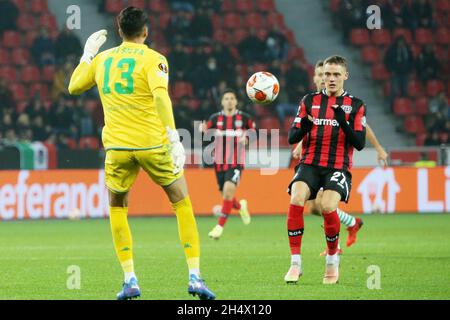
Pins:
x: 93, y: 44
x: 176, y: 150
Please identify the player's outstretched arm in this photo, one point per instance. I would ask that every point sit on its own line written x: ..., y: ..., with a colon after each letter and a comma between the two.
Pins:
x: 83, y: 77
x: 382, y: 155
x: 356, y: 138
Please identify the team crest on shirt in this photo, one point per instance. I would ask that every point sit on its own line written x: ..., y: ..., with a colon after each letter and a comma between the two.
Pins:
x: 163, y: 67
x: 238, y: 123
x: 347, y: 109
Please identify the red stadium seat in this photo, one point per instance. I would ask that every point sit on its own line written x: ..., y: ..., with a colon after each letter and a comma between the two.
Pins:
x: 20, y: 4
x: 422, y: 106
x: 11, y: 39
x: 415, y: 88
x: 359, y: 37
x: 253, y: 20
x: 26, y: 22
x: 182, y: 89
x: 371, y: 54
x: 158, y: 6
x: 48, y: 72
x: 442, y: 36
x: 423, y: 36
x: 239, y: 35
x: 275, y: 19
x: 244, y: 6
x: 39, y: 6
x: 29, y: 38
x: 443, y: 137
x: 222, y: 36
x: 414, y: 125
x: 30, y: 74
x: 443, y: 5
x: 114, y: 6
x: 18, y: 91
x: 434, y: 87
x: 379, y: 72
x: 137, y: 4
x: 163, y: 20
x: 8, y: 73
x: 194, y: 104
x: 21, y: 56
x: 269, y: 123
x: 403, y: 107
x: 261, y: 111
x: 406, y: 33
x: 381, y: 37
x: 334, y: 5
x: 232, y: 21
x: 420, y: 139
x: 288, y: 121
x: 71, y: 143
x: 40, y: 89
x: 48, y: 21
x: 4, y: 57
x: 228, y: 5
x: 296, y: 53
x: 265, y: 5
x: 89, y: 143
x: 91, y: 105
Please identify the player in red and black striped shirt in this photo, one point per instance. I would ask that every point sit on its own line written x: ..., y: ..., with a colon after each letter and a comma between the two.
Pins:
x: 331, y: 124
x: 230, y: 126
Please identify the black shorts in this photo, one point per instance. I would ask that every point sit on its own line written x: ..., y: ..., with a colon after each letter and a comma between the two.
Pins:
x: 326, y: 178
x: 233, y: 175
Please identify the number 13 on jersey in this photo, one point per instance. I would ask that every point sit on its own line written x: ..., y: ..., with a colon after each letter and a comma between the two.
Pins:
x: 126, y: 65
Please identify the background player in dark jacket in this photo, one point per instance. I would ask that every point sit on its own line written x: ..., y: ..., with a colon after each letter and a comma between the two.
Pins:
x: 229, y: 156
x: 333, y: 124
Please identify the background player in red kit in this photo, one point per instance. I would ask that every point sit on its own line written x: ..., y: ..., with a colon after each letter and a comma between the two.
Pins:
x: 229, y: 156
x: 333, y: 124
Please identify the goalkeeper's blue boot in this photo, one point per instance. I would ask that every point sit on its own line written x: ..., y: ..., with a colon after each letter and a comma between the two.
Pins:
x: 198, y: 287
x: 129, y: 291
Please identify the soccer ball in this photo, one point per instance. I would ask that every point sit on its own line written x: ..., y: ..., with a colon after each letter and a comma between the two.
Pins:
x: 263, y: 87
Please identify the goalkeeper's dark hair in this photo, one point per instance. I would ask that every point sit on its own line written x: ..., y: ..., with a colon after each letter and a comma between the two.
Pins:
x: 132, y: 21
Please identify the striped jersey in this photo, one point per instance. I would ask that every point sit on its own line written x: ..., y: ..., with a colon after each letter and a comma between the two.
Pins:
x: 325, y: 145
x: 229, y: 153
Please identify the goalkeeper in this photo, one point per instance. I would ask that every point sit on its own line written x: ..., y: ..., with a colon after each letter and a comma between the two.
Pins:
x: 139, y: 132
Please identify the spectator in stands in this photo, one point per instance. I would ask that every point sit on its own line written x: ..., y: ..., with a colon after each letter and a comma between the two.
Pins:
x: 40, y: 130
x: 223, y: 55
x: 297, y: 79
x: 432, y: 139
x: 201, y: 26
x: 10, y: 13
x: 351, y: 14
x: 422, y: 12
x: 178, y: 28
x: 36, y: 109
x: 82, y: 120
x: 400, y: 61
x: 10, y: 136
x: 67, y: 46
x: 60, y: 115
x: 252, y: 49
x: 61, y: 80
x: 277, y: 45
x: 396, y: 14
x: 207, y: 75
x: 6, y: 96
x: 179, y: 62
x: 182, y: 5
x: 427, y: 64
x: 439, y: 104
x: 182, y: 114
x: 42, y: 49
x: 24, y: 128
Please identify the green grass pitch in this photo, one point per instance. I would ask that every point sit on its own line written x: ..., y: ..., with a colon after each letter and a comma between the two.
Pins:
x: 248, y: 262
